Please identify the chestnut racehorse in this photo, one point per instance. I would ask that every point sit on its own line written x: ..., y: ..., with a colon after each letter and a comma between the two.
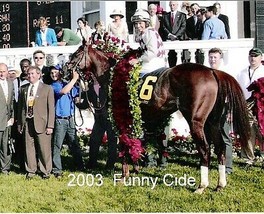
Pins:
x: 199, y: 92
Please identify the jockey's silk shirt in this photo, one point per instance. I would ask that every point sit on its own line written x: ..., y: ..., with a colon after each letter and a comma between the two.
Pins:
x: 153, y: 56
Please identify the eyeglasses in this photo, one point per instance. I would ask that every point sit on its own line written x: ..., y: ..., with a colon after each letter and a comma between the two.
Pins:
x: 38, y: 57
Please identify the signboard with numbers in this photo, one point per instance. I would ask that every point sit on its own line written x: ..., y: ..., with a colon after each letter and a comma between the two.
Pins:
x: 260, y: 24
x: 18, y: 21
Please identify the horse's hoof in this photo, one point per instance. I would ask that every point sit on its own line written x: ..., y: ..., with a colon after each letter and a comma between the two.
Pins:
x: 200, y: 190
x: 135, y: 170
x: 219, y: 188
x: 121, y: 180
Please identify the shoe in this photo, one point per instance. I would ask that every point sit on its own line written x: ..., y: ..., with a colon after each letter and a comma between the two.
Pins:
x: 5, y: 172
x: 248, y: 166
x: 29, y: 176
x: 91, y: 166
x: 45, y: 177
x: 58, y: 175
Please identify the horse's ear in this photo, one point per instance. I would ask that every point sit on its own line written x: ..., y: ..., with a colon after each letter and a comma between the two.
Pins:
x: 111, y: 61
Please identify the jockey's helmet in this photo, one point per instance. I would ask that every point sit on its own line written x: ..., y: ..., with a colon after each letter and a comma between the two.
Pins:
x: 141, y: 15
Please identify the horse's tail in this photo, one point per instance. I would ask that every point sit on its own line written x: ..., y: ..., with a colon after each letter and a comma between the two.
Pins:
x: 231, y: 92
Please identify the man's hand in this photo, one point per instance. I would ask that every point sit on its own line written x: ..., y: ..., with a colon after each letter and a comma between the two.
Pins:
x: 172, y: 37
x: 10, y: 122
x: 75, y: 75
x: 49, y: 131
x: 19, y: 129
x: 133, y: 61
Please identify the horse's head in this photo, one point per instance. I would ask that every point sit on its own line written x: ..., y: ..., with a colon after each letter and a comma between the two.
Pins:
x: 88, y: 59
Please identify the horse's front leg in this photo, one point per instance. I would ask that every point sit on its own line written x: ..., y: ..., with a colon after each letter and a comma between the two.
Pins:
x: 125, y: 169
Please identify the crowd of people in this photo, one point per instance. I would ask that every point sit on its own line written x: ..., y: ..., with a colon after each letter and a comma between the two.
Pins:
x: 39, y: 115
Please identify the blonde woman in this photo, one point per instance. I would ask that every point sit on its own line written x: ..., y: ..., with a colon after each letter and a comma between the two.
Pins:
x: 99, y: 32
x: 45, y: 36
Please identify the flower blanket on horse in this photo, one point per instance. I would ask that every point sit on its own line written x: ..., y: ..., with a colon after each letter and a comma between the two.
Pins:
x: 257, y: 88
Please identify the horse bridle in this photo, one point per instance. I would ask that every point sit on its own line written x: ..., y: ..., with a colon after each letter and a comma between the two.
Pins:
x: 75, y: 66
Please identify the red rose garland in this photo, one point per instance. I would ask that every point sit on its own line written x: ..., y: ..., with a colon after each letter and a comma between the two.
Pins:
x: 124, y: 104
x: 124, y: 81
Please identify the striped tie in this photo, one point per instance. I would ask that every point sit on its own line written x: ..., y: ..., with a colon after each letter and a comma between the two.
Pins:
x: 30, y: 102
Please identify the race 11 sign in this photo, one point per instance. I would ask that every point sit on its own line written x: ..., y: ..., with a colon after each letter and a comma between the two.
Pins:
x: 18, y: 21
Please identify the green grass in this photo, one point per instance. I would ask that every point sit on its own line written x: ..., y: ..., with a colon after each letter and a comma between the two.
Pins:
x: 244, y: 192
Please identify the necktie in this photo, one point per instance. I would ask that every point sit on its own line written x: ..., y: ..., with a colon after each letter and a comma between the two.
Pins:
x: 172, y: 19
x: 30, y: 102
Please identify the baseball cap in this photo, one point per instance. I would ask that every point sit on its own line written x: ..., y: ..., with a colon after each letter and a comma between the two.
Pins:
x: 57, y: 67
x: 255, y: 52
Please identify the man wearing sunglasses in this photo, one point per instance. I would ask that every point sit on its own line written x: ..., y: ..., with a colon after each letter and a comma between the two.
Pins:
x: 39, y: 60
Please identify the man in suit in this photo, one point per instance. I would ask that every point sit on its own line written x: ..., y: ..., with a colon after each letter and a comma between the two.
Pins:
x: 36, y: 119
x: 223, y: 18
x: 6, y: 117
x: 192, y: 22
x: 174, y: 26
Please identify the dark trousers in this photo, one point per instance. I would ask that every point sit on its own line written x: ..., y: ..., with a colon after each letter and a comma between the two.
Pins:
x: 5, y: 155
x: 199, y: 56
x: 226, y: 127
x: 19, y: 145
x: 102, y: 125
x: 172, y: 57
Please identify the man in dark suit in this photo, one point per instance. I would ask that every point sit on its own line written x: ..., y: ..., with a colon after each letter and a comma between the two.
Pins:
x: 174, y: 26
x: 39, y: 60
x: 6, y: 117
x: 223, y: 18
x: 192, y: 23
x: 36, y: 116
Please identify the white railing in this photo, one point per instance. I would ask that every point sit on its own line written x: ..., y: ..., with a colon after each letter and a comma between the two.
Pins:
x: 235, y: 57
x: 235, y: 51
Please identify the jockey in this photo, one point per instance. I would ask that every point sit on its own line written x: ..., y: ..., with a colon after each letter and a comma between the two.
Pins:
x: 153, y: 56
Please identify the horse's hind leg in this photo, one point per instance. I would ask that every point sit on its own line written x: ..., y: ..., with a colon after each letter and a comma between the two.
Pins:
x: 220, y: 152
x: 223, y: 149
x: 197, y: 129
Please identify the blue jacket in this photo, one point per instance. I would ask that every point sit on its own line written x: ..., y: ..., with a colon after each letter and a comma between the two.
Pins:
x: 51, y: 38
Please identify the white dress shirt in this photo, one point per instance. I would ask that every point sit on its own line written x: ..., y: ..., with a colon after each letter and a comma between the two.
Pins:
x: 4, y: 87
